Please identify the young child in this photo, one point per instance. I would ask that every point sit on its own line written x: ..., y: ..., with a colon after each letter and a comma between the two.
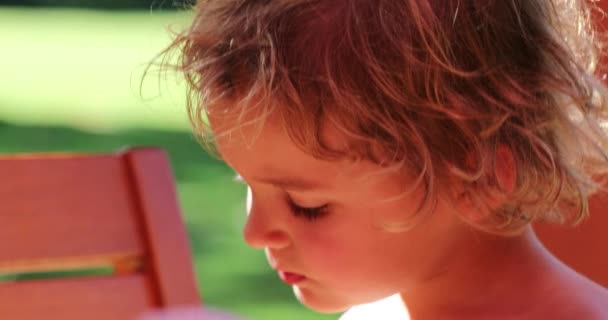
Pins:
x: 396, y: 152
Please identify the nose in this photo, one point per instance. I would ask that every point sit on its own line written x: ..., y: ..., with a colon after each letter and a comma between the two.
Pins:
x: 263, y: 228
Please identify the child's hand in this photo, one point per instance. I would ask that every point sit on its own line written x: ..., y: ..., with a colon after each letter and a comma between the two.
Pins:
x: 188, y: 314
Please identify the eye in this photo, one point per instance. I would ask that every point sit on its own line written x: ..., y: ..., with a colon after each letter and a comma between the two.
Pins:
x: 308, y: 213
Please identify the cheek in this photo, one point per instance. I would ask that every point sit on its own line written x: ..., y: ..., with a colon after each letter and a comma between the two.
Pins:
x: 326, y: 245
x: 360, y: 270
x: 369, y: 254
x: 341, y: 249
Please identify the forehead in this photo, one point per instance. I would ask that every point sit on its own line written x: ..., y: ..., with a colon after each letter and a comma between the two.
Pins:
x: 250, y: 124
x: 264, y: 148
x: 265, y: 152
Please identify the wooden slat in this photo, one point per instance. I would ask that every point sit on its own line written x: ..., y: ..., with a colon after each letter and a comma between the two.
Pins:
x: 121, y: 263
x: 66, y: 206
x: 582, y: 247
x: 169, y: 249
x: 102, y: 298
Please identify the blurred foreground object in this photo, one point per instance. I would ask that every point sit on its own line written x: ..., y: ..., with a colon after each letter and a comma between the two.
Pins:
x: 189, y: 314
x: 91, y: 236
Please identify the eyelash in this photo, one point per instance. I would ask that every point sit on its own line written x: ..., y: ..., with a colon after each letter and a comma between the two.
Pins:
x: 310, y: 214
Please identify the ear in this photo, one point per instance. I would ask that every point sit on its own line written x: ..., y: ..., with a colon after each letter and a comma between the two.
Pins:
x: 505, y: 169
x: 478, y: 209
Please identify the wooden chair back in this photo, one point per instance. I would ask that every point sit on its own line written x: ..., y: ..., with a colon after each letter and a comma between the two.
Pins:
x: 69, y: 213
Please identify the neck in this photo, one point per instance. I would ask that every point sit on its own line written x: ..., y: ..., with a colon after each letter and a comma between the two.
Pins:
x: 484, y: 273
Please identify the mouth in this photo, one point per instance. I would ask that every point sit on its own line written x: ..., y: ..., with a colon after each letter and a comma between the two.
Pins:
x: 291, y: 278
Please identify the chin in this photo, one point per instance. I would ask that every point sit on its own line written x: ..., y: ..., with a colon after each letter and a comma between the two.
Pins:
x: 322, y: 303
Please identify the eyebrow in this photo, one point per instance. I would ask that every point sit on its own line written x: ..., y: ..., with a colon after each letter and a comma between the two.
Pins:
x: 290, y: 183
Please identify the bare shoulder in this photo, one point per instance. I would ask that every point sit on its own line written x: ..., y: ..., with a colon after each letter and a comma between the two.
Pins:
x: 583, y: 299
x: 591, y: 304
x: 390, y: 308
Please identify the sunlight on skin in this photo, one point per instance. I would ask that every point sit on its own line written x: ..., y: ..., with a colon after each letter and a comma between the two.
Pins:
x: 188, y: 314
x: 391, y: 308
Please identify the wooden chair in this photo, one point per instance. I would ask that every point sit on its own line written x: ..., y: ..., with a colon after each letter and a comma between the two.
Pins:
x: 71, y: 213
x: 584, y: 247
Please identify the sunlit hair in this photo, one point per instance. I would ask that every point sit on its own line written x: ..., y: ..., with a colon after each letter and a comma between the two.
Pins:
x: 435, y: 86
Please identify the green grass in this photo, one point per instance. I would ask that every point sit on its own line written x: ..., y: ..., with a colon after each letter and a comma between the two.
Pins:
x: 65, y: 273
x: 70, y: 81
x: 84, y: 68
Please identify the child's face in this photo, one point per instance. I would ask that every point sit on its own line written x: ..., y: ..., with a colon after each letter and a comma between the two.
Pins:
x: 335, y: 252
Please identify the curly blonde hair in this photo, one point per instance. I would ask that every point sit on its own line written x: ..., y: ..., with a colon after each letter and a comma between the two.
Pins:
x: 434, y: 86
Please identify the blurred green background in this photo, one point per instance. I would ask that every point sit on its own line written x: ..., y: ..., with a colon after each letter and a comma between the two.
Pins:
x: 70, y: 80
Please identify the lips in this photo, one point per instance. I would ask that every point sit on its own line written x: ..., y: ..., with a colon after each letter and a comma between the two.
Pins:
x: 291, y: 278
